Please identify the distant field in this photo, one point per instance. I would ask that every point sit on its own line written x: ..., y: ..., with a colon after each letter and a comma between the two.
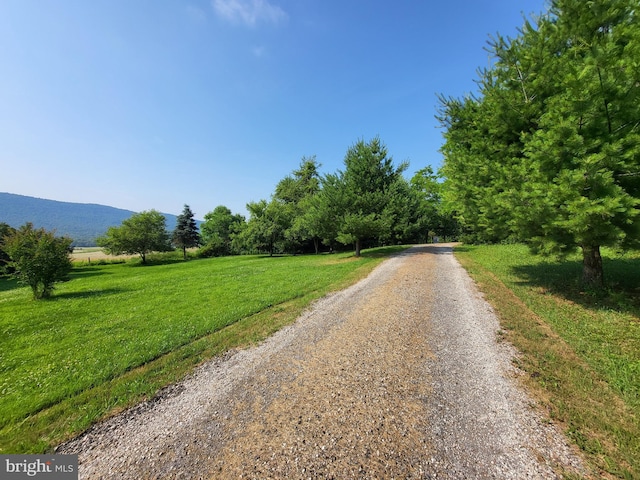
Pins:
x: 114, y: 334
x: 86, y: 254
x: 580, y: 348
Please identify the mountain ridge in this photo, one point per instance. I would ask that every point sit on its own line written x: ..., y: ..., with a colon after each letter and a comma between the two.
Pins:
x: 83, y: 222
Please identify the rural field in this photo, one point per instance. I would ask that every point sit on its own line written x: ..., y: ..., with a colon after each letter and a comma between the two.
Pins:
x: 95, y: 254
x: 114, y: 334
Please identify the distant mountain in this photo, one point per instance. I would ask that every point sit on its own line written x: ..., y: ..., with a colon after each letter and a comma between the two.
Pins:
x: 83, y: 222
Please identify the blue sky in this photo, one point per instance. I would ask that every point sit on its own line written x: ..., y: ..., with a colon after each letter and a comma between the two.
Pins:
x: 156, y: 103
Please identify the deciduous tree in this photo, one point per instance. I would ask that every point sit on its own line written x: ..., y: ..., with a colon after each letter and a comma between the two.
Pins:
x: 266, y: 226
x: 140, y: 234
x: 220, y: 229
x: 5, y: 230
x: 295, y: 192
x: 39, y: 257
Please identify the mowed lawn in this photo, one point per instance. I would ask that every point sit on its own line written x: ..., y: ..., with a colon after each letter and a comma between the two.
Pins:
x: 114, y: 334
x: 579, y: 347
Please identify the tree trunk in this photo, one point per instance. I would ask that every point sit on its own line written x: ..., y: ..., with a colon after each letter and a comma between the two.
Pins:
x: 357, y: 247
x: 592, y: 273
x: 184, y: 252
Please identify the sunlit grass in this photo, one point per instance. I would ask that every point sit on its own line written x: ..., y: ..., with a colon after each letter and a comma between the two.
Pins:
x: 114, y: 334
x: 580, y: 348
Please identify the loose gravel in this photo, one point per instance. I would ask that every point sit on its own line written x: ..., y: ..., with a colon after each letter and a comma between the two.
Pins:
x: 398, y: 376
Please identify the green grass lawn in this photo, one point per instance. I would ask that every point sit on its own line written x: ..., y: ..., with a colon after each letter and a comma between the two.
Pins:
x: 114, y: 334
x: 580, y: 348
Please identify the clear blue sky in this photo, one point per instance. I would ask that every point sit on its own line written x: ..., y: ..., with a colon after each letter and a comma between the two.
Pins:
x: 156, y: 103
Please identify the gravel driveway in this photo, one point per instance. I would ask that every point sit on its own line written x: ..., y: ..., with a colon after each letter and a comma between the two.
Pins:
x: 399, y: 376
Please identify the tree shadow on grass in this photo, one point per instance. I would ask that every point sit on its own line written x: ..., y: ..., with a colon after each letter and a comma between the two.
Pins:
x: 157, y: 261
x: 462, y: 248
x: 87, y: 294
x: 563, y: 279
x: 380, y: 252
x: 8, y: 283
x: 84, y: 272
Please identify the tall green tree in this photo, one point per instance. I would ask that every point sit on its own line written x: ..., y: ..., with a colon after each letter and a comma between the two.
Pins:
x: 323, y: 212
x: 220, y: 230
x: 549, y: 150
x: 39, y: 257
x: 186, y: 234
x: 368, y: 184
x: 140, y: 234
x: 5, y: 259
x: 430, y: 218
x: 266, y: 226
x: 295, y: 193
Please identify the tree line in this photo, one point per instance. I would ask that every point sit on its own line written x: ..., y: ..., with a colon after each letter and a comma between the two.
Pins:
x: 369, y: 203
x: 548, y: 151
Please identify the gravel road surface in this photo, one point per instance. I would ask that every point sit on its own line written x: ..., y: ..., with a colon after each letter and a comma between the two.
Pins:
x: 399, y: 376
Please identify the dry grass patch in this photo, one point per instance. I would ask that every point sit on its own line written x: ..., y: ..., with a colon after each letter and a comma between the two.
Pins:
x: 595, y: 410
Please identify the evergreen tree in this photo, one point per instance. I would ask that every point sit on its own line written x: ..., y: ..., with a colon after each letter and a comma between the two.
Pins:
x: 325, y: 210
x: 186, y: 235
x: 368, y: 183
x: 548, y: 152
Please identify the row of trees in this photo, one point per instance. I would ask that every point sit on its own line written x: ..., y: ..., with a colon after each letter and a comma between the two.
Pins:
x: 146, y: 232
x: 368, y: 203
x: 548, y: 152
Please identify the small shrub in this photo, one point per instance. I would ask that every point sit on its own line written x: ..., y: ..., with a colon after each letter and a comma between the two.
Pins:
x: 39, y: 257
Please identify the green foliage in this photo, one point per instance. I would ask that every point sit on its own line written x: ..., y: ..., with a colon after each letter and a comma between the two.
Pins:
x: 370, y: 202
x: 140, y: 234
x: 39, y: 257
x: 284, y: 224
x: 324, y: 210
x: 430, y: 215
x: 296, y: 194
x: 216, y: 247
x: 221, y: 232
x: 266, y: 227
x: 186, y: 233
x: 5, y: 230
x: 549, y: 151
x: 364, y: 203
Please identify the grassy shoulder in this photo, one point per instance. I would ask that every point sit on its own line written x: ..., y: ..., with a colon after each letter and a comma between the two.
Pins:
x: 114, y: 334
x: 579, y: 349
